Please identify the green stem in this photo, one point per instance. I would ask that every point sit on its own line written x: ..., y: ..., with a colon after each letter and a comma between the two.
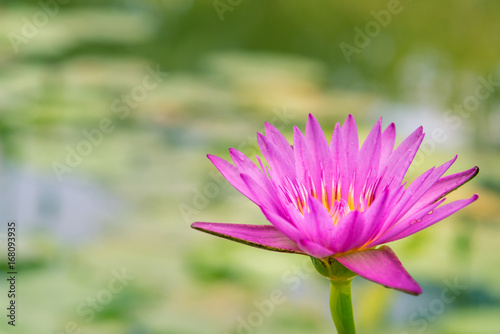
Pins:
x: 341, y: 306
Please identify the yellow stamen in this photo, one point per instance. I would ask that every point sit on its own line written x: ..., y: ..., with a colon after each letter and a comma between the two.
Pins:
x: 301, y: 208
x: 325, y: 199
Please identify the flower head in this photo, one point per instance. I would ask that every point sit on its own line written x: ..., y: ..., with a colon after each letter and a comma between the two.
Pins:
x: 337, y: 200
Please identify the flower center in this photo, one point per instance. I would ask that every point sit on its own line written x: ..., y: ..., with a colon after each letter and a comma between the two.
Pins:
x: 337, y: 205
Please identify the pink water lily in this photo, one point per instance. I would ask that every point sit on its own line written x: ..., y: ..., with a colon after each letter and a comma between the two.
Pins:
x: 337, y: 200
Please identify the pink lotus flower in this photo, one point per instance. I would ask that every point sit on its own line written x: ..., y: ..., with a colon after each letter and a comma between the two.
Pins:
x: 338, y: 200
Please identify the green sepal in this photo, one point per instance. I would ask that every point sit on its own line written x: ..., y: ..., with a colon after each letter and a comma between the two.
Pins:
x: 332, y: 269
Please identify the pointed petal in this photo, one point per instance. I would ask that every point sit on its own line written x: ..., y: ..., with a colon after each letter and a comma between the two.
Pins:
x: 267, y: 198
x: 368, y: 162
x: 280, y: 168
x: 246, y: 166
x: 374, y: 217
x: 400, y: 160
x: 260, y: 236
x: 320, y: 153
x: 319, y: 221
x: 232, y: 174
x: 406, y: 207
x: 283, y: 225
x: 298, y: 220
x: 444, y: 186
x: 277, y: 138
x: 388, y: 139
x: 410, y: 207
x: 388, y: 232
x: 316, y: 141
x: 395, y: 210
x: 347, y: 232
x: 313, y: 249
x: 433, y: 217
x: 381, y: 266
x: 351, y: 141
x: 339, y: 162
x: 260, y: 186
x: 303, y: 160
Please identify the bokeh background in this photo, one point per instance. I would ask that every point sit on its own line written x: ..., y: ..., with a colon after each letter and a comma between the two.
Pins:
x: 107, y: 109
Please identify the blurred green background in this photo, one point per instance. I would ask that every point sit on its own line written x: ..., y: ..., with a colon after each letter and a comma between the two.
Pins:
x: 107, y: 109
